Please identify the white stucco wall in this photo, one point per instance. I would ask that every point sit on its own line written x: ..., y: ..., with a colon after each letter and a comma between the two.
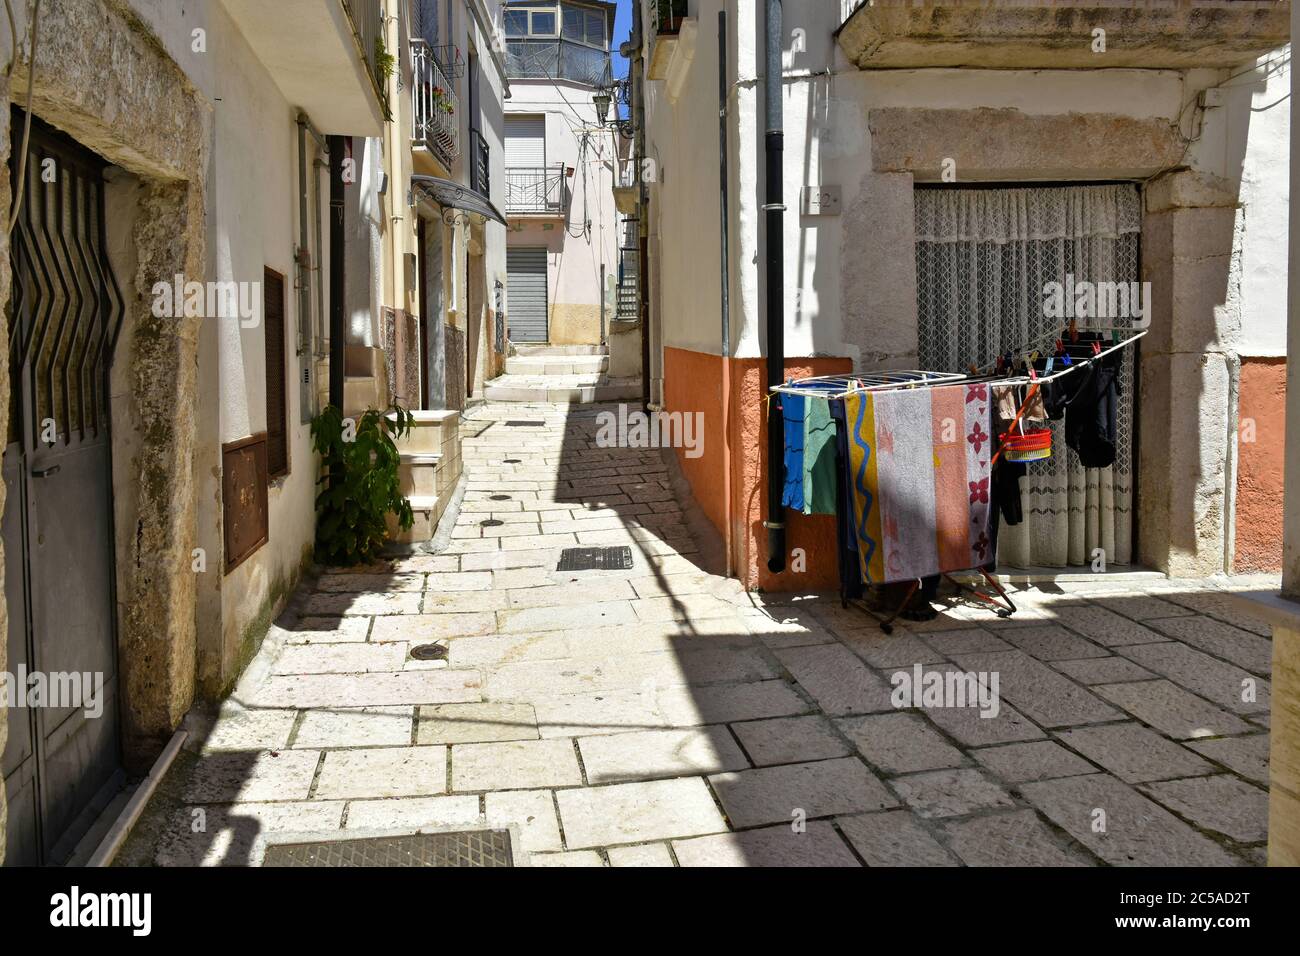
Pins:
x: 588, y: 238
x: 826, y: 101
x: 252, y: 205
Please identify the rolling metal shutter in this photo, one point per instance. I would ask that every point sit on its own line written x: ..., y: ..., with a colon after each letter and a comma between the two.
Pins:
x: 525, y: 141
x: 526, y: 306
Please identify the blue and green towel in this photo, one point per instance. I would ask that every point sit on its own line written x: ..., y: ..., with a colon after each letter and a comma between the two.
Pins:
x: 810, y: 477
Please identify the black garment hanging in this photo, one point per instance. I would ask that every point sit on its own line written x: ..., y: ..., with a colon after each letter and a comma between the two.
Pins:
x: 1090, y: 418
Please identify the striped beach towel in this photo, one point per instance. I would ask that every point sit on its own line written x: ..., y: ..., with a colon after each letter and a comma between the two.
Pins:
x: 918, y: 475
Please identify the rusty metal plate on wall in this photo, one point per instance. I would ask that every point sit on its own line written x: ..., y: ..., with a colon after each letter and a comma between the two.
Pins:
x: 465, y: 848
x: 244, y: 509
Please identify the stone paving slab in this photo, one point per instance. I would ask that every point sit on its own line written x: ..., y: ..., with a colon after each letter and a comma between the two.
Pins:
x: 817, y: 845
x: 514, y: 765
x: 894, y: 838
x: 950, y: 793
x: 1017, y: 838
x: 369, y: 727
x: 647, y: 754
x: 638, y: 812
x: 253, y: 776
x: 836, y: 679
x: 475, y: 723
x: 368, y: 690
x: 1133, y: 753
x: 1220, y: 683
x: 782, y: 794
x: 247, y: 730
x: 1138, y: 832
x: 1036, y: 760
x: 790, y: 740
x: 1173, y: 711
x: 1247, y: 756
x: 900, y: 743
x: 647, y: 854
x: 533, y: 811
x: 384, y: 772
x: 1232, y: 644
x: 1039, y: 692
x: 1222, y: 804
x: 413, y: 813
x: 230, y: 833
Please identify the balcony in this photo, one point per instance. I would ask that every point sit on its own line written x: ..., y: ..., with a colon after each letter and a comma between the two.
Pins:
x: 1142, y: 34
x: 324, y: 57
x: 436, y: 108
x: 556, y: 59
x: 536, y: 190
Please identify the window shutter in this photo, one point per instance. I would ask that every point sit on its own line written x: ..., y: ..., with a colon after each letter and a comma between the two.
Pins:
x: 277, y: 411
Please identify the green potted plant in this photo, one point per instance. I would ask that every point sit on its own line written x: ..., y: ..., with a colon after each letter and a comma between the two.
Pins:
x: 359, y: 483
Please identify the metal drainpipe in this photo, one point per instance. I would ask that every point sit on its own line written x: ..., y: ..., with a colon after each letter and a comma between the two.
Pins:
x: 642, y: 203
x: 724, y: 243
x: 774, y: 291
x: 337, y: 261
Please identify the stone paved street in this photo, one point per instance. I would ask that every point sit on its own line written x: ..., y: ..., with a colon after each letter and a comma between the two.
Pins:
x: 660, y: 715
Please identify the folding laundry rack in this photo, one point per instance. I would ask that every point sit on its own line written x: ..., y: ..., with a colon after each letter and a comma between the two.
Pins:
x: 1059, y: 354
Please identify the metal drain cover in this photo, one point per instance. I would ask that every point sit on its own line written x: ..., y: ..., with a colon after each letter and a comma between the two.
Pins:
x: 519, y: 423
x: 465, y: 848
x: 429, y: 652
x: 513, y: 461
x: 618, y: 558
x: 498, y: 497
x: 490, y: 523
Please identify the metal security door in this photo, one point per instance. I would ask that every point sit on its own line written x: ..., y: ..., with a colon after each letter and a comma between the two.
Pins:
x: 63, y: 760
x: 526, y: 285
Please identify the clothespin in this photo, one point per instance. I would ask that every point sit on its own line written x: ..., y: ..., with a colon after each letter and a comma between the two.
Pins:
x: 1051, y: 360
x: 1096, y: 347
x: 1074, y: 330
x: 1033, y: 374
x: 973, y: 369
x: 1065, y: 359
x: 1060, y: 346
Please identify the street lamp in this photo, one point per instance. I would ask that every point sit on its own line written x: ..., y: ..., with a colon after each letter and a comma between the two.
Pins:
x: 602, y: 99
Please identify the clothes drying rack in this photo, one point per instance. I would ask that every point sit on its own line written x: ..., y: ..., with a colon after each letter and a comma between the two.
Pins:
x: 1046, y: 358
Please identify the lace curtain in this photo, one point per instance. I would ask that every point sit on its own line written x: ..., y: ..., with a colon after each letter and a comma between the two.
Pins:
x: 983, y: 259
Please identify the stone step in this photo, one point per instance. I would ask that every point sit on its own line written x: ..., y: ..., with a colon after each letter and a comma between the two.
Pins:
x: 525, y: 350
x: 570, y: 389
x: 417, y: 473
x: 426, y: 509
x: 557, y: 364
x: 433, y: 431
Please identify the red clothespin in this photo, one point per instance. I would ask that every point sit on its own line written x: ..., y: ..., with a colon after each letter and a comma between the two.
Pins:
x: 1033, y: 374
x: 1060, y: 346
x: 973, y: 369
x: 1096, y: 347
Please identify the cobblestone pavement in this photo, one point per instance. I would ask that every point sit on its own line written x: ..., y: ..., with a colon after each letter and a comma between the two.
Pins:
x: 660, y: 715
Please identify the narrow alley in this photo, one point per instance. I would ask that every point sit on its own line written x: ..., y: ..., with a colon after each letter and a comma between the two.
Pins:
x: 659, y: 715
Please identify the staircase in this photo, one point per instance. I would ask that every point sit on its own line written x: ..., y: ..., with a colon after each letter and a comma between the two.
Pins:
x: 574, y: 374
x: 429, y: 470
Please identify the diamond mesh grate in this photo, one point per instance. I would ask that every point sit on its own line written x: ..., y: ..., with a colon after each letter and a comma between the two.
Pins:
x: 618, y: 558
x: 465, y: 848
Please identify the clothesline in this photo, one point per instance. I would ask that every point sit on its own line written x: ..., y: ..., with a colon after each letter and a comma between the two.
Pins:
x: 1072, y: 348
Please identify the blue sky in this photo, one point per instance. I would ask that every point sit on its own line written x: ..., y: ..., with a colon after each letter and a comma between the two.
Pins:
x: 622, y: 30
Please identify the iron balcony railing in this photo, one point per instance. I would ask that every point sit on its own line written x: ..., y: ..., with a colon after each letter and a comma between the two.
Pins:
x: 436, y: 108
x: 367, y: 21
x: 556, y: 59
x: 535, y: 190
x: 481, y: 157
x: 668, y: 16
x: 628, y: 303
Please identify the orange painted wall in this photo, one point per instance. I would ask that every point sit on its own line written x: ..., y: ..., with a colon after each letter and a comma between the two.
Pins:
x: 693, y: 381
x: 1261, y: 404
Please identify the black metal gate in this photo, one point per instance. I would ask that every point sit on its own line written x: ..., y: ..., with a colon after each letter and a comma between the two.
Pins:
x: 62, y: 762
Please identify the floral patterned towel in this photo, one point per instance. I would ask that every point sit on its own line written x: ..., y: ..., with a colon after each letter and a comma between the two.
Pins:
x: 918, y: 473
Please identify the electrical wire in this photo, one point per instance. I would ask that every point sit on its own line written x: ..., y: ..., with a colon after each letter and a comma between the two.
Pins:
x: 21, y: 177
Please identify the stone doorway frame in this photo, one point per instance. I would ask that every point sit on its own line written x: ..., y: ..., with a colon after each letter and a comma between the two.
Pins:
x: 102, y: 77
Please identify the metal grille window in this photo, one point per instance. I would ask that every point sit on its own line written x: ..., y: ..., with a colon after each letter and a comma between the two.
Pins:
x: 277, y: 410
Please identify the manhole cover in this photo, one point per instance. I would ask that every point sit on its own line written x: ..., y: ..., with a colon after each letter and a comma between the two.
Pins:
x: 523, y: 424
x: 490, y: 522
x: 429, y: 652
x: 617, y: 558
x: 514, y: 461
x: 498, y: 497
x: 465, y: 848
